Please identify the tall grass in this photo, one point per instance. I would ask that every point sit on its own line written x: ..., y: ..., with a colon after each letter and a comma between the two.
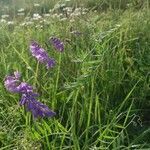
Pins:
x: 99, y: 87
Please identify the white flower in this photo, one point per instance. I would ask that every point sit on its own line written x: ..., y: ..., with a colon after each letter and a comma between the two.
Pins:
x: 27, y: 18
x: 78, y: 9
x: 4, y: 16
x: 42, y: 21
x: 29, y: 23
x: 56, y: 6
x: 36, y: 5
x: 72, y: 20
x: 62, y: 5
x: 63, y: 19
x: 3, y: 21
x: 39, y: 26
x: 83, y: 13
x: 21, y: 10
x: 23, y: 24
x: 46, y: 15
x: 118, y: 25
x: 10, y: 23
x: 36, y: 17
x: 21, y: 14
x: 55, y: 16
x: 68, y: 9
x: 51, y: 10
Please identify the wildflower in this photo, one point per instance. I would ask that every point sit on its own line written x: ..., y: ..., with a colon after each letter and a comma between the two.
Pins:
x: 21, y: 14
x: 36, y: 5
x: 40, y: 54
x: 68, y: 10
x: 3, y: 21
x: 47, y: 15
x: 27, y: 23
x: 63, y: 19
x: 72, y: 20
x: 36, y: 17
x: 23, y: 87
x: 11, y: 82
x: 51, y: 10
x: 57, y: 6
x: 37, y: 108
x: 10, y: 23
x: 55, y: 16
x: 57, y: 44
x: 28, y: 99
x: 21, y: 10
x: 5, y: 16
x: 62, y: 5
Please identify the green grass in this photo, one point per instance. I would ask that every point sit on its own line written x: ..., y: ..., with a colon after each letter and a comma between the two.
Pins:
x: 99, y: 88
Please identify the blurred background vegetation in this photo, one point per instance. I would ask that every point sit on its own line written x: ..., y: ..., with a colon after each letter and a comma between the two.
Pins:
x: 98, y: 5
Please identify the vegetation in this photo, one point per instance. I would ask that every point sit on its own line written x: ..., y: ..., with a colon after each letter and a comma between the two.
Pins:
x: 100, y: 86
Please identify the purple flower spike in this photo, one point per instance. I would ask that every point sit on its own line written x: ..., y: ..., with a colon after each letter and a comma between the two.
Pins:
x: 50, y: 63
x: 28, y: 99
x: 12, y: 81
x: 17, y: 75
x: 37, y: 108
x: 57, y: 44
x: 24, y: 88
x: 13, y: 84
x: 40, y: 54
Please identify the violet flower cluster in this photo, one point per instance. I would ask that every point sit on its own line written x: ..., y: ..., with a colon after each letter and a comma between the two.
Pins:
x: 29, y: 97
x: 40, y: 54
x: 57, y: 44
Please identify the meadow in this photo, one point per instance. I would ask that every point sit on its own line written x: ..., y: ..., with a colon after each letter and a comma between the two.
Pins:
x: 99, y: 87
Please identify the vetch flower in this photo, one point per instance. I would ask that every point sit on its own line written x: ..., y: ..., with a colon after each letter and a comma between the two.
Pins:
x: 29, y: 97
x: 40, y: 54
x: 12, y: 81
x: 37, y: 108
x: 24, y: 88
x: 57, y: 43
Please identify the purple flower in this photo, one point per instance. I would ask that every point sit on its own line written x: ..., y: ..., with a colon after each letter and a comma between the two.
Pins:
x: 17, y: 75
x: 37, y: 108
x: 13, y: 84
x: 40, y: 54
x: 12, y: 81
x: 57, y: 43
x: 24, y: 88
x: 28, y: 99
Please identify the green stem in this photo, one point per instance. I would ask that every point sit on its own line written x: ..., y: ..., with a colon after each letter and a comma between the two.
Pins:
x: 56, y: 83
x: 36, y: 74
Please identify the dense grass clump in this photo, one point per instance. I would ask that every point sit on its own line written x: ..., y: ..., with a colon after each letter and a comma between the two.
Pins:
x: 100, y: 86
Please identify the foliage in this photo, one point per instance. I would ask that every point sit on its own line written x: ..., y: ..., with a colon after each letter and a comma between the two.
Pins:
x: 99, y: 88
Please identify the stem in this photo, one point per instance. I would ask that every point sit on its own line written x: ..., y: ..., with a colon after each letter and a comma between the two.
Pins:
x: 56, y: 83
x: 36, y: 74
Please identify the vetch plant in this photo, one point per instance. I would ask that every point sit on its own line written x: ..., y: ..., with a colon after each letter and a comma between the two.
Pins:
x: 29, y: 97
x: 40, y: 54
x: 57, y: 43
